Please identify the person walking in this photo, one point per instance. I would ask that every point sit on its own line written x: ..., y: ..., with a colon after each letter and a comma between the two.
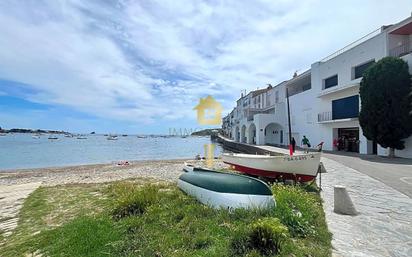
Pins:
x: 293, y: 142
x: 305, y: 144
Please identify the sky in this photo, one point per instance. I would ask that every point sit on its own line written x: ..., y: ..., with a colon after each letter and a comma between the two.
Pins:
x: 140, y: 67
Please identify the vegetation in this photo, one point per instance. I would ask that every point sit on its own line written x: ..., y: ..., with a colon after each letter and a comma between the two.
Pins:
x: 386, y: 96
x: 207, y: 132
x: 144, y: 218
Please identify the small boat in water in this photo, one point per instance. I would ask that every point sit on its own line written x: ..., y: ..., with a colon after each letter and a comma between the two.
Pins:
x: 112, y: 138
x: 52, y: 138
x: 36, y: 136
x: 302, y: 167
x: 141, y: 136
x: 225, y: 190
x: 81, y: 137
x: 3, y: 134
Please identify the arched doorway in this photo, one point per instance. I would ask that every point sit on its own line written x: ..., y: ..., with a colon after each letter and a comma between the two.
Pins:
x: 243, y: 134
x: 252, y: 134
x: 274, y: 134
x: 237, y: 134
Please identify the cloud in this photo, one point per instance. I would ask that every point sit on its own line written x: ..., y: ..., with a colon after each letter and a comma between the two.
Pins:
x: 150, y: 62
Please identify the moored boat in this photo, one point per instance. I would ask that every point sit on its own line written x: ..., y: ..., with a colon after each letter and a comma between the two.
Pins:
x: 111, y: 138
x: 302, y: 167
x: 225, y: 190
x: 52, y: 138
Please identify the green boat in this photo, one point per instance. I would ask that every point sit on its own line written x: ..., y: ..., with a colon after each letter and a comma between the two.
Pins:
x: 225, y: 190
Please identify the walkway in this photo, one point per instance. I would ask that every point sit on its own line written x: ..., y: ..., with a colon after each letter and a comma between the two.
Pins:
x: 11, y: 200
x: 384, y: 226
x: 396, y: 172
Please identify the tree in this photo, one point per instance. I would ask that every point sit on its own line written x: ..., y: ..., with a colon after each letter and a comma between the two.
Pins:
x: 386, y: 98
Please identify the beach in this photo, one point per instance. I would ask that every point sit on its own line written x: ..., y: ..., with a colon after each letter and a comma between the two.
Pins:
x: 168, y: 170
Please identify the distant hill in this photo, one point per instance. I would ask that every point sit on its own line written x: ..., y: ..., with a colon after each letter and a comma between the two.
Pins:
x: 19, y: 130
x: 206, y: 132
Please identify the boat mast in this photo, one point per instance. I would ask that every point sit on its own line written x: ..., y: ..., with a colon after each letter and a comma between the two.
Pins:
x: 290, y: 129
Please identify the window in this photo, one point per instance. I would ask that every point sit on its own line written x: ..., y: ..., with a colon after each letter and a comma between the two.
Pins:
x: 331, y: 82
x: 345, y: 108
x: 276, y: 96
x: 360, y: 69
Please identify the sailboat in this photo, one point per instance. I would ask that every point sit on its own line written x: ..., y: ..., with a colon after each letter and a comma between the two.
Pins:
x: 302, y: 167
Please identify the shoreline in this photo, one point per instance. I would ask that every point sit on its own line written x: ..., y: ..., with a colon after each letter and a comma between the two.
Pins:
x: 85, y: 165
x: 168, y: 170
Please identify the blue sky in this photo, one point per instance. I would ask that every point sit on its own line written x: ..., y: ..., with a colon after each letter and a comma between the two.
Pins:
x: 141, y: 66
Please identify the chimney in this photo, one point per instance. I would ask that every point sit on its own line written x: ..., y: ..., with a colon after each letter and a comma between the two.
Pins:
x: 295, y: 74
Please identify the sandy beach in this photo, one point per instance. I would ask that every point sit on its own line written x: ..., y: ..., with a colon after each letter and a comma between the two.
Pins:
x: 99, y: 173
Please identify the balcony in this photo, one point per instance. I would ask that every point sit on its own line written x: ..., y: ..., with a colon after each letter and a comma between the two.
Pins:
x: 326, y: 117
x: 326, y: 92
x: 401, y: 50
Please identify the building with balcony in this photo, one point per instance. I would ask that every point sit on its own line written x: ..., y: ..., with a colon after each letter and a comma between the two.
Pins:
x: 324, y: 100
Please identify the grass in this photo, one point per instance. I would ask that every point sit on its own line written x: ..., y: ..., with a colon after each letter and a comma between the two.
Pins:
x: 134, y: 218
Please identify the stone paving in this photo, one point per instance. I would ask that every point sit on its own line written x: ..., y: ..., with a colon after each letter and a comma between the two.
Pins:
x: 11, y: 200
x: 384, y: 224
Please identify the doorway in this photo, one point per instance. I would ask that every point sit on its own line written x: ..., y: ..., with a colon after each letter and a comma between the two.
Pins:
x: 348, y: 139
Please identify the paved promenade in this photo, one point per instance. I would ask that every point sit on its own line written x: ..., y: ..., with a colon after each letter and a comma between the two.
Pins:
x: 395, y: 172
x: 11, y: 200
x: 384, y: 225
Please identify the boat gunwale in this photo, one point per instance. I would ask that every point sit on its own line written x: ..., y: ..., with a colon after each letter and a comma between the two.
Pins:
x: 199, y: 169
x: 261, y: 182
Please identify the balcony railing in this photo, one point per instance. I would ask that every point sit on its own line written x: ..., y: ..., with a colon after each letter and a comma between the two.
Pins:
x: 401, y: 50
x: 324, y: 116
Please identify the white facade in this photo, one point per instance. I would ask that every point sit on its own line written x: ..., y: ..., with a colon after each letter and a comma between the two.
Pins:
x: 261, y: 116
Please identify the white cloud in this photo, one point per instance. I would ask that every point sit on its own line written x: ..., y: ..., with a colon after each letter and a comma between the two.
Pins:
x: 151, y: 61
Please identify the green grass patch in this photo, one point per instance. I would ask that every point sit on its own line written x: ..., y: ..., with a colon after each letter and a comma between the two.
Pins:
x: 157, y: 219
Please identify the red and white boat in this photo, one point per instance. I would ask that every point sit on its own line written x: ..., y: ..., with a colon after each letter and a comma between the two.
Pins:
x: 301, y: 167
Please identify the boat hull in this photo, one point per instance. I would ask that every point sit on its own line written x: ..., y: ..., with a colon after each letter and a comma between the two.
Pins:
x: 227, y: 191
x: 299, y: 167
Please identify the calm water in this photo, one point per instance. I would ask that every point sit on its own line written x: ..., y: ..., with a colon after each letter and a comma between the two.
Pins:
x: 22, y: 151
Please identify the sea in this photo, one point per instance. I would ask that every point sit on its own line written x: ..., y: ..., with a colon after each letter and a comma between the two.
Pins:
x: 22, y: 151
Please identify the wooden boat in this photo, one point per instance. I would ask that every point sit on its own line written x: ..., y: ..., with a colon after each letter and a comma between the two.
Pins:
x: 301, y: 167
x: 225, y: 190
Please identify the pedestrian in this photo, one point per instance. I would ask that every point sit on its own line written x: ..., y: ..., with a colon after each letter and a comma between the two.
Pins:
x: 293, y: 143
x: 320, y: 146
x: 335, y: 144
x: 305, y: 144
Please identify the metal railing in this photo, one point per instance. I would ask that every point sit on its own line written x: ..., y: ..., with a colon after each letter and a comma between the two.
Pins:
x: 401, y: 50
x: 324, y: 116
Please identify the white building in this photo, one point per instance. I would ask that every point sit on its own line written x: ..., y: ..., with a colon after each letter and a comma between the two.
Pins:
x: 324, y: 101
